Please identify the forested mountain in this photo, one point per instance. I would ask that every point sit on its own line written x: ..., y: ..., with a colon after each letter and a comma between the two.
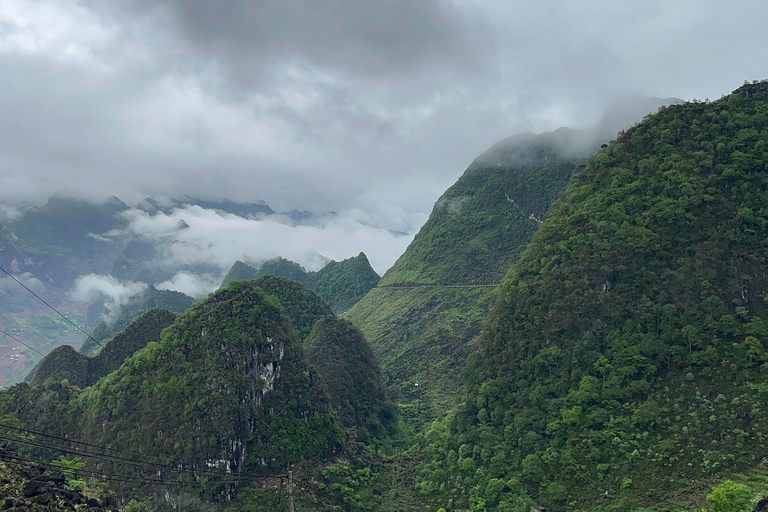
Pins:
x: 341, y: 355
x: 625, y: 356
x: 64, y: 363
x: 151, y: 298
x: 477, y: 229
x: 226, y: 386
x: 339, y: 283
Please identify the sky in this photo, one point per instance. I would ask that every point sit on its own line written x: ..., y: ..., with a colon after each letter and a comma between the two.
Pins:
x: 370, y: 109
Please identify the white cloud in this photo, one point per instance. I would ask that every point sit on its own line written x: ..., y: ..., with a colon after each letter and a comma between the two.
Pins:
x: 217, y: 239
x: 26, y: 278
x: 194, y: 285
x: 117, y: 294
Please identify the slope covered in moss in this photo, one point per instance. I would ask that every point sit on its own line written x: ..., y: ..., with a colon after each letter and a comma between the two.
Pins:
x: 339, y: 283
x: 175, y: 302
x: 341, y: 355
x: 64, y: 363
x: 626, y: 353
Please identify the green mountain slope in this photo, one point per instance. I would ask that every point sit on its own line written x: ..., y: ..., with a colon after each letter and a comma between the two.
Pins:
x: 626, y: 353
x: 339, y: 283
x: 83, y: 371
x: 343, y: 358
x: 477, y: 229
x: 303, y: 307
x: 227, y: 384
x: 175, y: 302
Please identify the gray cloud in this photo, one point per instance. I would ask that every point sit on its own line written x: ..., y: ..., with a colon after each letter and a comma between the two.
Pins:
x: 366, y: 107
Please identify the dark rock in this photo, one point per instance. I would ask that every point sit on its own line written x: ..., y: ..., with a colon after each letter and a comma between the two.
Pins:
x: 33, y: 488
x: 762, y: 505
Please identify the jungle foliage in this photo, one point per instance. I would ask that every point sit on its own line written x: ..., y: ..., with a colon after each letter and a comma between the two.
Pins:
x: 339, y: 352
x: 63, y: 363
x: 339, y: 283
x: 626, y: 351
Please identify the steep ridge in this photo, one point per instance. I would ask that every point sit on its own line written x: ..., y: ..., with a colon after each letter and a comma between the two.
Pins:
x: 422, y: 336
x: 152, y: 298
x: 626, y: 353
x: 235, y: 388
x: 339, y: 283
x: 343, y: 358
x: 82, y: 371
x: 302, y: 306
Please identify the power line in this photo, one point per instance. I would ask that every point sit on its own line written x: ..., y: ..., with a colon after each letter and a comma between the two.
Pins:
x: 208, y: 472
x: 73, y: 324
x: 107, y: 456
x: 17, y: 340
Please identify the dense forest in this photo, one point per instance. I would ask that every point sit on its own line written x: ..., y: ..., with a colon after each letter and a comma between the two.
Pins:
x: 624, y: 357
x: 339, y: 283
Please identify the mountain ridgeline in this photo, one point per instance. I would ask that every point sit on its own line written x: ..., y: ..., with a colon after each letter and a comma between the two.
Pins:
x: 424, y: 318
x: 339, y: 283
x: 626, y: 352
x: 151, y: 298
x: 63, y: 363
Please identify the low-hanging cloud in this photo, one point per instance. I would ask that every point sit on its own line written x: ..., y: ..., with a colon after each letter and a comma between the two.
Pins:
x: 194, y: 285
x: 26, y: 278
x: 117, y: 294
x: 212, y: 238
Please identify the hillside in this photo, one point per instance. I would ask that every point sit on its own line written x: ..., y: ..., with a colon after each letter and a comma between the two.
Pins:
x: 175, y: 302
x: 422, y: 335
x: 343, y: 358
x: 303, y: 307
x: 227, y: 387
x: 339, y: 283
x: 625, y: 356
x: 83, y: 371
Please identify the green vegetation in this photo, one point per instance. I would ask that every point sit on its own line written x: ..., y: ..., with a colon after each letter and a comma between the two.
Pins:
x: 343, y: 358
x: 339, y: 283
x: 625, y: 353
x: 79, y: 370
x: 175, y: 302
x: 422, y: 338
x: 477, y: 229
x: 303, y: 306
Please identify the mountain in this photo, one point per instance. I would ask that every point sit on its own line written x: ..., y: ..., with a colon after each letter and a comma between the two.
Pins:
x: 343, y: 358
x: 339, y: 283
x: 83, y: 371
x: 423, y: 320
x: 174, y: 302
x: 302, y: 306
x: 225, y: 391
x: 166, y: 205
x: 625, y: 356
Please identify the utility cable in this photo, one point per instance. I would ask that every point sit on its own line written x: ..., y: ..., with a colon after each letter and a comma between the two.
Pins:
x: 122, y: 460
x: 73, y: 324
x: 17, y: 340
x: 236, y: 477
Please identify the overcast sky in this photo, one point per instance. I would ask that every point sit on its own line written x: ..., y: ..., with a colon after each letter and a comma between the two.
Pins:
x: 372, y: 106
